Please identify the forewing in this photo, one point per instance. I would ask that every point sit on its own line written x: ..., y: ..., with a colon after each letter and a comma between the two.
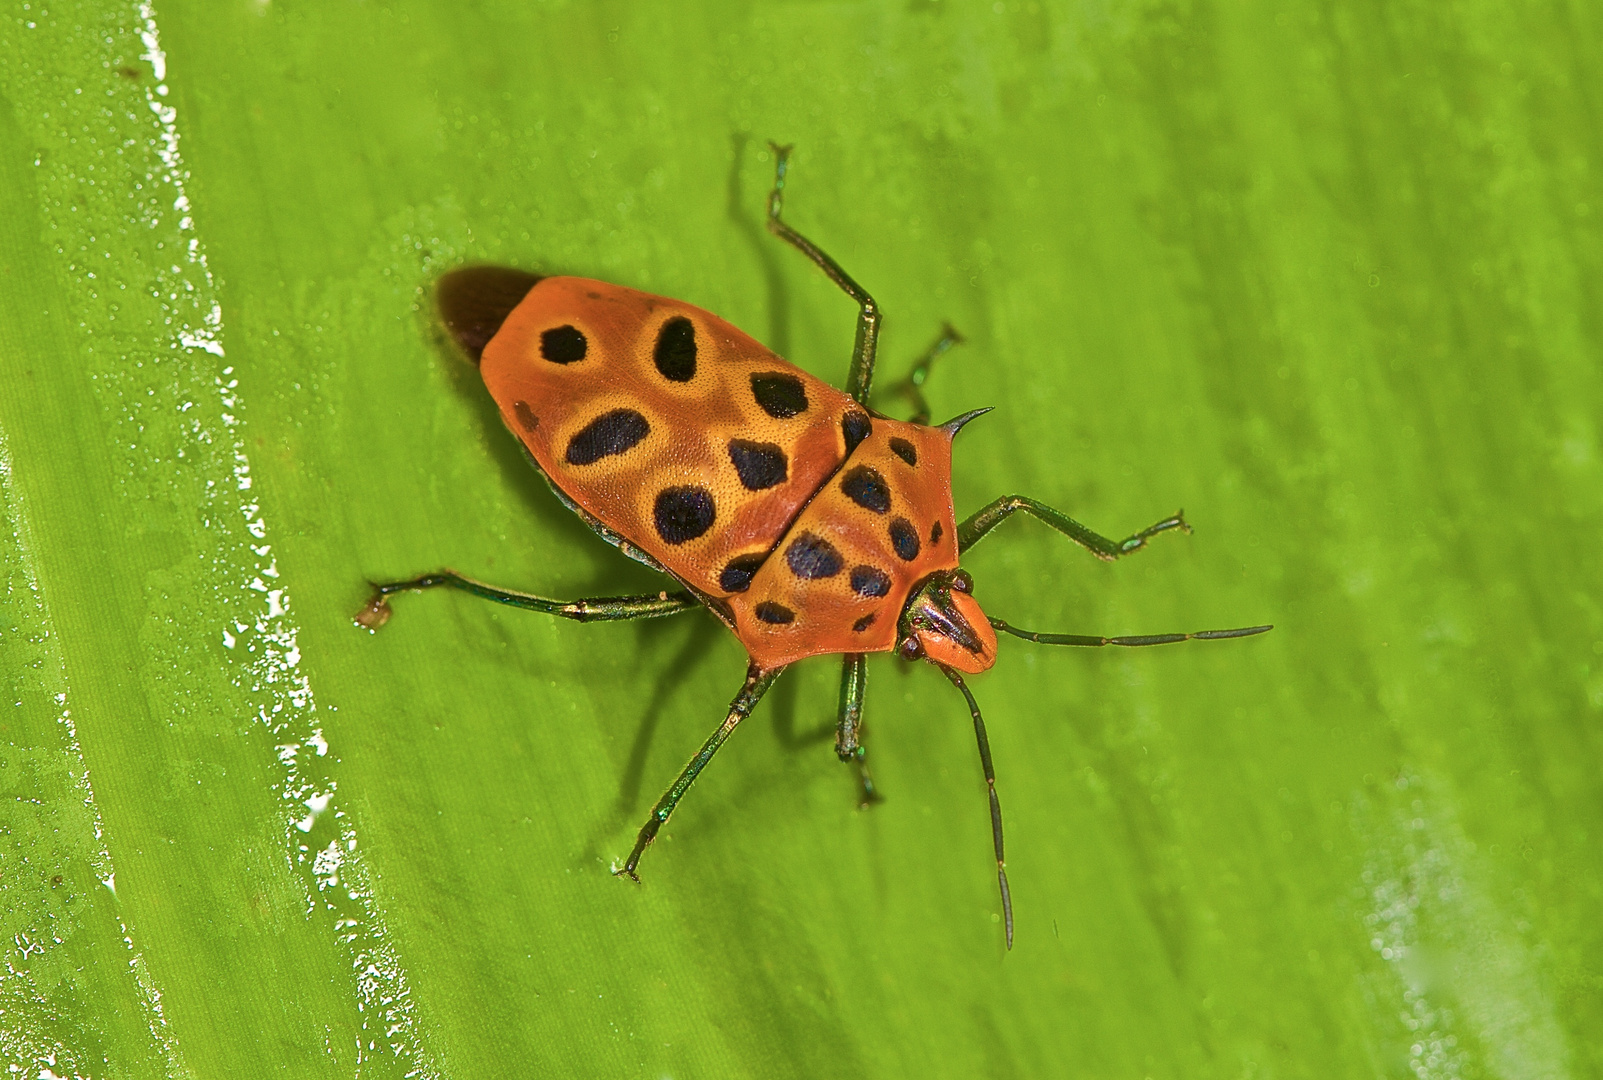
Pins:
x: 666, y: 423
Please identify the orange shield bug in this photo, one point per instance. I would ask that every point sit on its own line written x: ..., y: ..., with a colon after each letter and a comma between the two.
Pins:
x: 807, y: 522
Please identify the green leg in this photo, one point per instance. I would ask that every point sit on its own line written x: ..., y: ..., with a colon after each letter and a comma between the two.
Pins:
x: 983, y: 521
x: 597, y: 609
x: 912, y: 387
x: 861, y: 376
x: 1128, y: 642
x: 996, y: 804
x: 849, y: 731
x: 757, y: 684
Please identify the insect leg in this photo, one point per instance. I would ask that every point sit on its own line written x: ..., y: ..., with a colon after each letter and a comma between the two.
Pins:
x: 996, y: 805
x: 596, y: 609
x: 912, y: 387
x: 757, y: 683
x: 849, y: 729
x: 984, y: 520
x: 1136, y: 641
x: 861, y: 375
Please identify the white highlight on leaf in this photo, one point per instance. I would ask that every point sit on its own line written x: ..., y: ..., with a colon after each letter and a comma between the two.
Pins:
x: 271, y: 656
x: 16, y: 1042
x: 1460, y: 962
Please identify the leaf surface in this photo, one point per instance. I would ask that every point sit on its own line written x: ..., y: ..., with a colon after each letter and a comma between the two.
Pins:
x: 1326, y: 278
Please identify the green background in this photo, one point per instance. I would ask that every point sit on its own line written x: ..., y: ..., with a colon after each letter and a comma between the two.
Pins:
x: 1326, y: 275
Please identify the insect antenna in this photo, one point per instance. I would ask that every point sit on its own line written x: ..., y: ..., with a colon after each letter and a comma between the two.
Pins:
x: 996, y: 805
x: 1130, y: 641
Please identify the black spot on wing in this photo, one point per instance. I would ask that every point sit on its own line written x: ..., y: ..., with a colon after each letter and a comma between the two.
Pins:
x: 812, y: 557
x: 935, y: 533
x: 864, y: 486
x: 563, y: 345
x: 777, y: 614
x: 739, y: 571
x: 760, y: 465
x: 904, y: 450
x: 870, y: 581
x: 683, y: 513
x: 864, y: 623
x: 904, y: 538
x: 780, y: 395
x: 676, y: 349
x: 856, y: 427
x: 614, y: 432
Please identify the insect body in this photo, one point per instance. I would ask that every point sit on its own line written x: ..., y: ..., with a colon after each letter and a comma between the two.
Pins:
x: 670, y: 427
x: 807, y: 522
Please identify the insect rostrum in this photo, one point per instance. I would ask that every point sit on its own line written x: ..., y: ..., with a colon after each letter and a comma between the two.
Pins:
x: 678, y: 438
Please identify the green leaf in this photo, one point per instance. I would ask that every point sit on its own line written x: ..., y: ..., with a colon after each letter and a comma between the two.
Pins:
x: 1326, y: 277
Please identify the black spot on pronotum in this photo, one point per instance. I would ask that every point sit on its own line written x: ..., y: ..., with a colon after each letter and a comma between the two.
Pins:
x: 563, y: 345
x: 864, y: 486
x: 904, y: 450
x: 475, y: 300
x: 856, y: 427
x: 683, y: 513
x: 676, y: 349
x: 777, y: 614
x: 904, y: 538
x: 935, y: 533
x: 526, y: 418
x: 864, y: 623
x: 739, y: 571
x: 760, y: 465
x: 614, y: 432
x: 812, y: 557
x: 781, y: 396
x: 870, y: 581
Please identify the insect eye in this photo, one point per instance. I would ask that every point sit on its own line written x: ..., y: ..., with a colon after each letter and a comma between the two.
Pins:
x: 910, y: 649
x: 962, y: 582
